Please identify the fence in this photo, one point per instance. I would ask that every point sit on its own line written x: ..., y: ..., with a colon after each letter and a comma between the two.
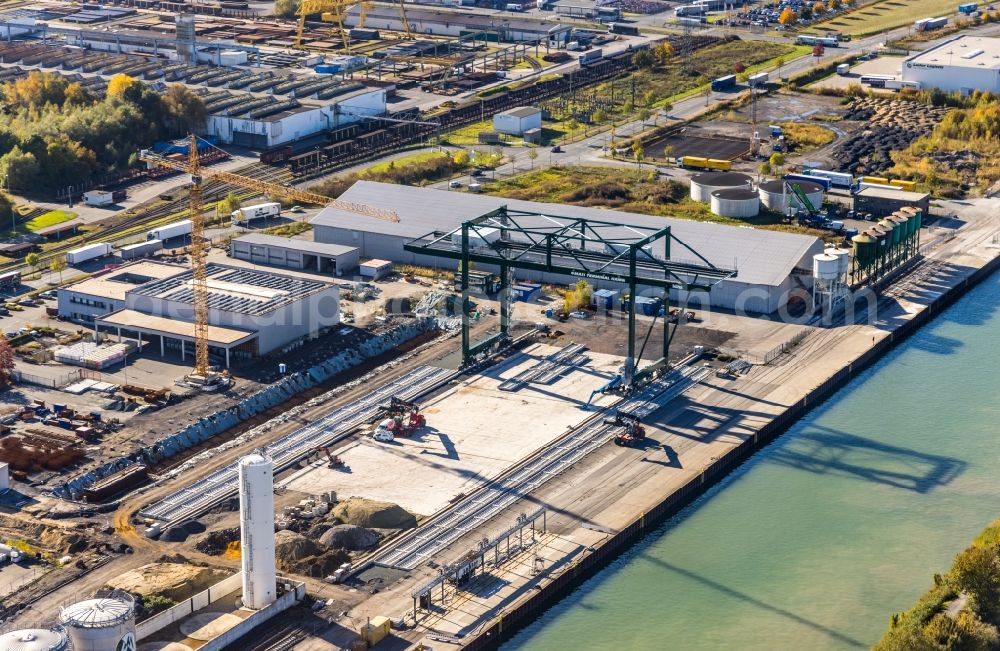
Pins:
x: 772, y: 354
x: 52, y: 382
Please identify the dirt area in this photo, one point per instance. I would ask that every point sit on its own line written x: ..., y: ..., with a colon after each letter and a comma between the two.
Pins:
x: 175, y: 581
x: 706, y: 145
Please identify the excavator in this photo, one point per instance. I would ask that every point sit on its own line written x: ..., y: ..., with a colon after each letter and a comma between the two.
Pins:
x: 395, y: 412
x: 632, y: 433
x: 335, y: 460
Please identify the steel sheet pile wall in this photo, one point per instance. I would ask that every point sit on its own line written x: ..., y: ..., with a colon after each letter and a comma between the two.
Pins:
x: 264, y: 399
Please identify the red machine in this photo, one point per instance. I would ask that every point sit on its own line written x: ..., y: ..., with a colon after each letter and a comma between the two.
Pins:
x: 403, y: 417
x: 632, y: 432
x: 335, y: 460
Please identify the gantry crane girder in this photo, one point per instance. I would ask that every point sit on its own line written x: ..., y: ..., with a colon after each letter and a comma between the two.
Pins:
x: 338, y: 10
x: 199, y: 271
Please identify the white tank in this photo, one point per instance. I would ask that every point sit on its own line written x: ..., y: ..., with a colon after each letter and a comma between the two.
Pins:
x: 704, y: 184
x: 773, y: 196
x: 843, y: 259
x: 735, y: 202
x: 257, y: 530
x: 35, y: 639
x: 104, y: 624
x: 826, y: 266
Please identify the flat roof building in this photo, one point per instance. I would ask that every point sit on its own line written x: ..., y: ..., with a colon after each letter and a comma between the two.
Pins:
x: 250, y: 312
x: 964, y: 64
x: 292, y: 253
x: 456, y: 22
x: 883, y: 201
x: 516, y: 121
x: 765, y: 260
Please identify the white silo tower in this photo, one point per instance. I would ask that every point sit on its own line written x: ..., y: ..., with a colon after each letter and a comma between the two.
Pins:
x: 35, y: 639
x: 257, y: 530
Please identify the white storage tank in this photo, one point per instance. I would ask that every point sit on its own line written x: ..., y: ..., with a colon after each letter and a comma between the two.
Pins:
x: 101, y: 624
x: 772, y: 194
x: 704, y: 184
x: 826, y: 266
x: 735, y: 202
x: 35, y: 639
x: 257, y: 531
x: 843, y: 259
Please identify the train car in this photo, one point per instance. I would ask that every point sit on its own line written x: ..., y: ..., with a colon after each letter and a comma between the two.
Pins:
x: 909, y: 186
x: 277, y: 155
x: 623, y: 30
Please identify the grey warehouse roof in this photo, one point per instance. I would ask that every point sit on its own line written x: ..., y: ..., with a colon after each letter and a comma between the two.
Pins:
x: 304, y: 246
x: 522, y: 111
x: 761, y: 257
x: 886, y: 193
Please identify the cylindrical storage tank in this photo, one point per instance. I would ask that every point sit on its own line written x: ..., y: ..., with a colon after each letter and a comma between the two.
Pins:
x: 735, y: 202
x: 826, y: 266
x: 843, y: 259
x: 257, y: 531
x: 884, y: 240
x: 865, y: 249
x: 101, y: 624
x: 772, y: 194
x: 902, y: 225
x: 35, y: 639
x: 704, y: 184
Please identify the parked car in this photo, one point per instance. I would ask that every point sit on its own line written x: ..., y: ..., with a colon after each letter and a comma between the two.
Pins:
x: 556, y: 150
x: 47, y: 295
x: 454, y: 184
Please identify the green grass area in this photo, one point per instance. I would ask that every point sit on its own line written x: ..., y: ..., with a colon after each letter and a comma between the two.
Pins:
x: 629, y: 190
x: 288, y: 230
x: 884, y: 15
x: 50, y: 218
x: 405, y: 161
x: 469, y: 134
x: 804, y: 136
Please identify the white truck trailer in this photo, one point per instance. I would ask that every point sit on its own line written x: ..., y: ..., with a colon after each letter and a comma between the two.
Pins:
x: 177, y: 229
x: 245, y: 215
x: 89, y: 252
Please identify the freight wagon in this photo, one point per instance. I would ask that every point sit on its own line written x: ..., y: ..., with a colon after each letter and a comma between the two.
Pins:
x: 838, y: 179
x: 279, y: 155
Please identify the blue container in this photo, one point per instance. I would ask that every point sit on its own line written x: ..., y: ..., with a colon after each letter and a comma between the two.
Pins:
x: 548, y: 313
x: 604, y: 298
x: 647, y: 305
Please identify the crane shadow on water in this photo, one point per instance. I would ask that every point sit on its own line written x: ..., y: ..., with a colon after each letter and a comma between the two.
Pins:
x: 824, y: 450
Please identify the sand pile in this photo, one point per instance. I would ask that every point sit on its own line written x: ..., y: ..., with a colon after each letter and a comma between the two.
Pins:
x: 374, y: 515
x: 349, y: 536
x: 172, y: 580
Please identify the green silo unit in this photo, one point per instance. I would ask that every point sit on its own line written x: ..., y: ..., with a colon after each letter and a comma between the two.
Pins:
x: 893, y: 233
x: 865, y: 248
x: 902, y: 225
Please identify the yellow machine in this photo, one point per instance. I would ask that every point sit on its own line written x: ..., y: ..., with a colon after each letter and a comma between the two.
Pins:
x: 335, y: 11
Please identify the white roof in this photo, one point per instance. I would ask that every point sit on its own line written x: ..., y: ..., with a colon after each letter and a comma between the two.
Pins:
x: 761, y: 257
x: 305, y: 246
x: 975, y: 52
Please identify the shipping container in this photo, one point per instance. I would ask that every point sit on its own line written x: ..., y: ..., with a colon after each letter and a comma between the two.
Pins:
x: 689, y: 10
x: 724, y: 83
x: 89, y: 252
x: 875, y: 180
x: 818, y: 180
x: 590, y: 56
x: 248, y: 214
x: 836, y: 179
x: 140, y: 250
x: 968, y: 7
x: 177, y: 229
x: 376, y: 630
x: 909, y: 186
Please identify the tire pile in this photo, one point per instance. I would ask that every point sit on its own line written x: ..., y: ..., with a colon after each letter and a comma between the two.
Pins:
x: 890, y: 125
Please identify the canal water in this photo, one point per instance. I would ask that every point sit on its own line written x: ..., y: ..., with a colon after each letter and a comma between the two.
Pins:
x: 817, y: 539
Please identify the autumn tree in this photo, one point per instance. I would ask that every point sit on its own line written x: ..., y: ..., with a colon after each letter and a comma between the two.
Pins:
x: 19, y: 169
x: 532, y: 155
x: 123, y: 87
x: 228, y: 205
x: 663, y: 52
x: 638, y: 152
x: 788, y: 16
x: 57, y: 265
x: 32, y: 260
x: 834, y: 4
x: 461, y: 158
x: 819, y: 8
x: 818, y: 50
x: 598, y: 116
x: 649, y: 98
x: 776, y: 160
x: 286, y: 8
x: 186, y: 111
x: 6, y: 362
x: 739, y: 68
x: 644, y: 114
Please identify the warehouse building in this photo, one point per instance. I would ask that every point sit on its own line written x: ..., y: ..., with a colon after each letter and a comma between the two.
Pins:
x: 885, y: 201
x: 766, y: 261
x: 964, y: 64
x: 295, y: 254
x: 516, y: 121
x: 463, y: 22
x: 251, y: 312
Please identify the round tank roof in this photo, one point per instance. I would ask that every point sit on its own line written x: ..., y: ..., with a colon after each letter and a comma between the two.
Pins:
x: 254, y: 459
x: 721, y: 179
x: 735, y: 194
x: 777, y: 186
x: 97, y: 613
x: 34, y: 639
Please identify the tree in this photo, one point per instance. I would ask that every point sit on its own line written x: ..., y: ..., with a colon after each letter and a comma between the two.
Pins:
x: 286, y: 8
x: 57, y: 265
x: 834, y: 4
x: 663, y: 52
x: 776, y: 160
x: 788, y: 17
x: 644, y: 59
x: 532, y: 155
x: 818, y: 50
x: 6, y: 361
x: 780, y: 63
x: 19, y: 169
x: 976, y: 571
x: 186, y: 112
x: 123, y: 87
x: 638, y: 152
x: 228, y: 205
x: 649, y: 98
x: 819, y: 8
x: 461, y: 159
x: 739, y: 68
x: 32, y: 260
x: 644, y: 114
x: 598, y: 116
x: 806, y: 12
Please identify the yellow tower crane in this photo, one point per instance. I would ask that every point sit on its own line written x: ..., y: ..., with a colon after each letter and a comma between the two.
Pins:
x: 337, y: 11
x: 199, y: 273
